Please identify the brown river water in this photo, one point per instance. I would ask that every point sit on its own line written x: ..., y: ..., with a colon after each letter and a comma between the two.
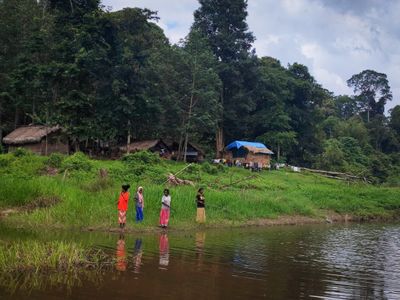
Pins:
x: 356, y: 261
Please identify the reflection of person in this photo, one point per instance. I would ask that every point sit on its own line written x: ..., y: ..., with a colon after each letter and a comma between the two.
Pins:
x: 200, y: 200
x: 165, y: 209
x: 138, y: 255
x: 164, y: 251
x: 121, y: 254
x: 200, y: 241
x: 139, y: 199
x: 123, y: 205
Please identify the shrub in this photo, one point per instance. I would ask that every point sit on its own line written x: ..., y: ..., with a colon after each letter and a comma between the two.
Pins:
x: 193, y: 169
x: 77, y: 161
x: 5, y: 160
x: 208, y: 168
x: 146, y: 157
x: 20, y: 152
x: 55, y: 160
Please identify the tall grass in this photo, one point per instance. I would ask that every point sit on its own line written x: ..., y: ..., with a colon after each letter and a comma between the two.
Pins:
x: 88, y: 201
x: 35, y: 256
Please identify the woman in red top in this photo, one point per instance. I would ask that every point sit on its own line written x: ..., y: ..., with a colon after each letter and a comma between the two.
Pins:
x: 123, y: 205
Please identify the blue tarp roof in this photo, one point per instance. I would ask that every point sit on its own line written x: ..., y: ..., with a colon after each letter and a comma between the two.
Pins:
x: 238, y: 144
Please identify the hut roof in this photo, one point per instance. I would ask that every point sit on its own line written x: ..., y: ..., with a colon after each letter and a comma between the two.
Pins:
x: 253, y: 147
x: 142, y: 145
x: 29, y: 134
x: 256, y: 150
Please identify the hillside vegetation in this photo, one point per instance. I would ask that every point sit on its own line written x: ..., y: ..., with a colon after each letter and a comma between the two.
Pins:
x: 77, y: 197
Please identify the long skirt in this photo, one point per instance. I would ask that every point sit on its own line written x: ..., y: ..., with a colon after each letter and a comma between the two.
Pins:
x: 164, y: 217
x: 201, y: 215
x: 139, y: 214
x: 122, y: 216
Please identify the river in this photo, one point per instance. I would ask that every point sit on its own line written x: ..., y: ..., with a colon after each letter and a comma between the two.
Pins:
x: 354, y: 261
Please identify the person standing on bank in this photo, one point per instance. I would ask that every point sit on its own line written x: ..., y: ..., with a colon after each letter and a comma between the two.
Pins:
x: 139, y: 199
x: 165, y: 209
x: 200, y: 200
x: 123, y: 205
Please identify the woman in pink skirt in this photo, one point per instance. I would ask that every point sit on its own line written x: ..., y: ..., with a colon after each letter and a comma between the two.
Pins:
x: 165, y: 209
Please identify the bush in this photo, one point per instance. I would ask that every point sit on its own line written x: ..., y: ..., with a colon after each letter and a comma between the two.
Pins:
x: 141, y: 157
x: 20, y: 152
x: 209, y: 169
x: 55, y: 160
x: 5, y: 160
x: 193, y: 169
x: 78, y: 162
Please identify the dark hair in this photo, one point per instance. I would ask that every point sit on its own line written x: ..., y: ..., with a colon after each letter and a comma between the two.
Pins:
x: 166, y: 190
x: 125, y: 187
x: 200, y: 190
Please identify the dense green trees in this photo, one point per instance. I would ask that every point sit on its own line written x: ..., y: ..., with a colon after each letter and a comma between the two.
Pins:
x: 111, y: 77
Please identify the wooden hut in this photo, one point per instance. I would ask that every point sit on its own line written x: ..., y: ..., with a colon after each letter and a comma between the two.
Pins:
x: 156, y: 146
x: 39, y: 139
x: 249, y: 154
x: 193, y: 153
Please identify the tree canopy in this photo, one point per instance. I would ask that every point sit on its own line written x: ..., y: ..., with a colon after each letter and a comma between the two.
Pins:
x: 111, y: 77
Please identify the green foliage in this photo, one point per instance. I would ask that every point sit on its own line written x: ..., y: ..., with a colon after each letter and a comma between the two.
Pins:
x: 55, y: 160
x: 141, y: 157
x: 5, y: 160
x: 77, y: 162
x: 20, y: 152
x: 105, y: 75
x: 89, y: 201
x: 193, y: 169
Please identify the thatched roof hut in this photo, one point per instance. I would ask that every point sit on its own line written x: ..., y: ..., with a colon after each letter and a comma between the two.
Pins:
x: 29, y: 134
x: 38, y: 139
x: 156, y: 145
x: 194, y: 153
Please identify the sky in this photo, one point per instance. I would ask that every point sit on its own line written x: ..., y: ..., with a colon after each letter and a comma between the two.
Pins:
x: 335, y: 39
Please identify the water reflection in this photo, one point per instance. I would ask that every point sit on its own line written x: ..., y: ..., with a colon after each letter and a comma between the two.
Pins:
x: 121, y: 259
x: 164, y: 251
x: 137, y: 256
x: 325, y: 262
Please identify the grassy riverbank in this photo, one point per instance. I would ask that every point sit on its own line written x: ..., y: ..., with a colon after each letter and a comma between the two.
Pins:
x: 74, y: 195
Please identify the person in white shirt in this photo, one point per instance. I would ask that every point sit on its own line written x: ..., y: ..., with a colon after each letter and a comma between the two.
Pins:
x: 165, y: 209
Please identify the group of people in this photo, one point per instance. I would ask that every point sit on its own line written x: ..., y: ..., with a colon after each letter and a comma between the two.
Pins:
x: 165, y: 206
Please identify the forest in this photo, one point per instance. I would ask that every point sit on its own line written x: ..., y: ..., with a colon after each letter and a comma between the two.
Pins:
x: 107, y: 76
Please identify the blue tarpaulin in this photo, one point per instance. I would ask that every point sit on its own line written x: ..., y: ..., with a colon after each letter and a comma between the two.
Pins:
x: 238, y: 144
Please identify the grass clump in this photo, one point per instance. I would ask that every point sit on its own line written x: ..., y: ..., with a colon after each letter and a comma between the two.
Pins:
x: 35, y: 256
x: 141, y: 157
x: 77, y: 162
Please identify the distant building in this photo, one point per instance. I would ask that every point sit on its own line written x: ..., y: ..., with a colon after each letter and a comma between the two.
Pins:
x: 193, y: 153
x: 156, y: 146
x: 250, y: 154
x: 39, y: 139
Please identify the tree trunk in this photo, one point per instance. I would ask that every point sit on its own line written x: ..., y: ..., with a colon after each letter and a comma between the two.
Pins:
x: 1, y: 122
x: 279, y: 152
x: 219, y: 137
x: 16, y: 117
x: 190, y: 111
x: 128, y: 139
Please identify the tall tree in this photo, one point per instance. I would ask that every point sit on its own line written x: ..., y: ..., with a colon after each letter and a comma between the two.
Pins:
x: 223, y: 23
x: 373, y: 91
